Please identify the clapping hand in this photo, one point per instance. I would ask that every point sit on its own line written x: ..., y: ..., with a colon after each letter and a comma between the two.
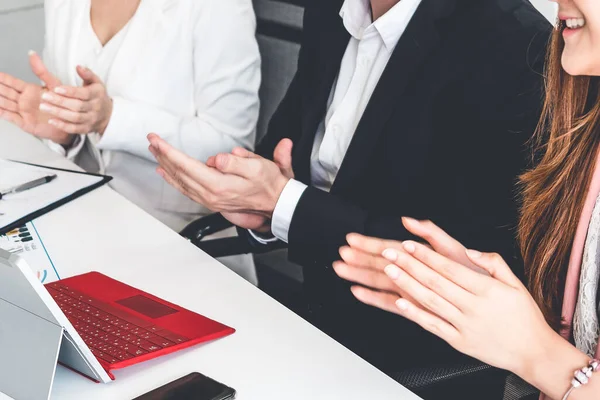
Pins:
x: 490, y: 316
x: 282, y: 156
x: 241, y: 185
x: 20, y: 102
x: 363, y: 262
x: 83, y: 109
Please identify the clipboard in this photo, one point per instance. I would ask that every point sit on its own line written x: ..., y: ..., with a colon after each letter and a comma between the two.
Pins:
x: 22, y: 220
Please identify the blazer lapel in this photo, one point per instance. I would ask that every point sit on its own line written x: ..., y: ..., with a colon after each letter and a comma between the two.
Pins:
x: 335, y: 42
x: 145, y: 27
x: 417, y: 42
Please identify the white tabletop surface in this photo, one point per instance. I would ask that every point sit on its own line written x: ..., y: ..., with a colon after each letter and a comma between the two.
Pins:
x: 273, y: 355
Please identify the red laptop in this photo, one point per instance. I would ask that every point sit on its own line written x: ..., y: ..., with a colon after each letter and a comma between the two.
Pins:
x: 122, y: 326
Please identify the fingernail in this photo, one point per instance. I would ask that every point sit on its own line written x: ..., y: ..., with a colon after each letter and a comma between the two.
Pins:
x: 392, y: 271
x: 45, y: 107
x: 31, y: 52
x: 473, y: 254
x: 52, y: 122
x: 60, y: 90
x: 344, y: 252
x: 390, y: 254
x: 47, y: 96
x: 411, y: 220
x: 349, y: 238
x: 409, y: 247
x: 402, y: 304
x: 160, y: 172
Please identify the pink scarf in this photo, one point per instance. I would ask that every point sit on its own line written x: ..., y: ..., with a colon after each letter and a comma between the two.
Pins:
x: 574, y: 271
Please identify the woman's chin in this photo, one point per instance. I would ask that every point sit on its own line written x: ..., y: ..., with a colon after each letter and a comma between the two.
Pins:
x: 579, y: 66
x: 569, y: 64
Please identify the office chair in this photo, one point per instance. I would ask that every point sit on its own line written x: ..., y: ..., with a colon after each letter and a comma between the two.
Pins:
x: 279, y: 35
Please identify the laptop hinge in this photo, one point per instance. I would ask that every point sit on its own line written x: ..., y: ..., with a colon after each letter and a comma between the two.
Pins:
x: 71, y: 357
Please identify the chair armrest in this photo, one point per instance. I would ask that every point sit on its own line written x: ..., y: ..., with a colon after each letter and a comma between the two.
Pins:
x: 205, y: 226
x: 233, y: 246
x: 421, y: 378
x: 198, y: 230
x: 225, y: 247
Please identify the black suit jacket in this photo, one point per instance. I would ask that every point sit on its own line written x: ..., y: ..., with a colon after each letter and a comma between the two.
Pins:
x: 443, y: 137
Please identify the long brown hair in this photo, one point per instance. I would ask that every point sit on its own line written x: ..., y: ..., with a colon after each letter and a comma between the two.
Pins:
x: 554, y: 191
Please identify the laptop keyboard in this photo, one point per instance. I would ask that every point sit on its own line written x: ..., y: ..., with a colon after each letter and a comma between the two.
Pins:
x: 111, y: 334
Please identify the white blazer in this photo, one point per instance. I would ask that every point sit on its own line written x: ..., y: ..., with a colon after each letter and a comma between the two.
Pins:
x: 188, y: 70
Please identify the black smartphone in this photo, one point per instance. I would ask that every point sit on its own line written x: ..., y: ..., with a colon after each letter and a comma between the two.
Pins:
x: 194, y: 386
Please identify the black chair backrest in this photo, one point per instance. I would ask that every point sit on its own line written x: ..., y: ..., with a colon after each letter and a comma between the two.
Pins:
x: 279, y: 33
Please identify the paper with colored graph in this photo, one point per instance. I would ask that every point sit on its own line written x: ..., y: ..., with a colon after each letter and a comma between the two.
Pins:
x: 26, y: 242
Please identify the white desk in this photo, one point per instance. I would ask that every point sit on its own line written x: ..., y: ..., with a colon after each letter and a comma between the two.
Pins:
x: 273, y: 355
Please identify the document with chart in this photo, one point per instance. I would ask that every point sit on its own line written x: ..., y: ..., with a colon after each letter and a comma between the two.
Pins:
x: 29, y: 191
x: 26, y: 242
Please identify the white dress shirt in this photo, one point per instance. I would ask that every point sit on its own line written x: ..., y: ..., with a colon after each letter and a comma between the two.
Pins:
x: 367, y: 55
x: 188, y: 70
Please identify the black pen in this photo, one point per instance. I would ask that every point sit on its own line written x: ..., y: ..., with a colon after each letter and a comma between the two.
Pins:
x: 28, y: 185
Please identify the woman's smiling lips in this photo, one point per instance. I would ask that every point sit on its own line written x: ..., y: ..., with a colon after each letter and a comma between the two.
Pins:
x: 572, y: 25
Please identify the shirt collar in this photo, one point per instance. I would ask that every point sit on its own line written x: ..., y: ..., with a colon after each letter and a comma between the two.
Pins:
x: 356, y: 15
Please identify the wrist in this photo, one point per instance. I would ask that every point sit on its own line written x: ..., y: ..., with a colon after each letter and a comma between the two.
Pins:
x: 68, y: 142
x: 107, y: 116
x: 550, y: 363
x: 265, y: 229
x: 280, y: 184
x: 539, y: 354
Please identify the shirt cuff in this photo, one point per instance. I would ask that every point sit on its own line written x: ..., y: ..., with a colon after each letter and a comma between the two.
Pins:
x: 262, y: 240
x: 285, y: 207
x: 69, y: 153
x: 114, y: 136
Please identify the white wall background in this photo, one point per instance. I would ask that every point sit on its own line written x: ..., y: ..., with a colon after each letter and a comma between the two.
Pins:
x: 546, y: 7
x: 22, y: 29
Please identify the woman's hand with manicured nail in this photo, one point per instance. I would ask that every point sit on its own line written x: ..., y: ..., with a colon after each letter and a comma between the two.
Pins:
x: 390, y: 254
x: 79, y: 109
x: 392, y: 271
x: 491, y: 317
x: 365, y: 258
